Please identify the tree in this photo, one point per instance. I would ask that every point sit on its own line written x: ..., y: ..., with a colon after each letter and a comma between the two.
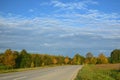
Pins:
x: 1, y: 59
x: 25, y: 59
x: 89, y: 55
x: 78, y: 59
x: 54, y: 60
x: 37, y: 60
x: 66, y: 60
x: 17, y: 62
x: 9, y: 58
x: 60, y: 59
x: 102, y: 59
x: 89, y: 58
x: 46, y: 59
x: 115, y: 56
x: 93, y: 60
x: 32, y: 64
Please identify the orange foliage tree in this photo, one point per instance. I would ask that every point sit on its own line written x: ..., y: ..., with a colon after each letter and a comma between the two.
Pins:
x: 66, y: 60
x: 9, y: 58
x: 54, y: 61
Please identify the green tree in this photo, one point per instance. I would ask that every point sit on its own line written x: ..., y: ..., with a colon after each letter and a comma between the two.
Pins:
x: 17, y: 62
x: 25, y: 59
x: 115, y: 56
x: 37, y: 60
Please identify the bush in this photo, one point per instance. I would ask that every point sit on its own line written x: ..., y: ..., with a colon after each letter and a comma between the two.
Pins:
x: 3, y: 67
x: 118, y: 76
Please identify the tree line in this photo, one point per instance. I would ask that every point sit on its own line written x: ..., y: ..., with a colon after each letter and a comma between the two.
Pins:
x: 13, y: 59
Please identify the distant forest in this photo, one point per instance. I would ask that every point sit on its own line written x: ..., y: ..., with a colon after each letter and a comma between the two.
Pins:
x: 13, y: 59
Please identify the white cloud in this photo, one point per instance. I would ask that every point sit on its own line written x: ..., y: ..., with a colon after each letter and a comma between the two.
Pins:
x: 90, y: 30
x: 93, y: 23
x: 73, y: 5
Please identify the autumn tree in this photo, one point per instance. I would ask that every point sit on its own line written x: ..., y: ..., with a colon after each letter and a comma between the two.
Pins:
x: 102, y: 59
x: 66, y: 60
x: 89, y: 58
x: 9, y: 58
x: 115, y: 56
x: 1, y: 59
x: 78, y: 59
x: 60, y: 59
x: 93, y: 60
x: 54, y: 60
x: 46, y: 59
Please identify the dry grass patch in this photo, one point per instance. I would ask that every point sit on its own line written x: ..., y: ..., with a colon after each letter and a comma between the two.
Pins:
x: 108, y: 66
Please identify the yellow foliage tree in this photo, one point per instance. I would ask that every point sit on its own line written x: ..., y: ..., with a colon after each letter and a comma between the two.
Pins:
x: 93, y: 60
x: 66, y: 60
x: 102, y: 59
x: 32, y: 64
x: 9, y: 58
x: 54, y: 61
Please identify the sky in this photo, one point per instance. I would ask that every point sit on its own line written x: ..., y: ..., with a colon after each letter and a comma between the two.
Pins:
x: 60, y: 27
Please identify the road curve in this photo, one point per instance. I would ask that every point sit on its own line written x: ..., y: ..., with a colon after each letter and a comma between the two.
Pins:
x: 53, y: 73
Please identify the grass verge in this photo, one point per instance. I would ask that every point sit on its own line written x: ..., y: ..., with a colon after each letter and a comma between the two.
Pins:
x: 24, y: 69
x: 95, y: 72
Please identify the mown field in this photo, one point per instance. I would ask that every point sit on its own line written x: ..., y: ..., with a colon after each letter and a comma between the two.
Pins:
x: 99, y: 72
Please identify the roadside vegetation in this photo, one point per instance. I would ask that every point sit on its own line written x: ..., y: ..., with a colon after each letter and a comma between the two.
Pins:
x: 99, y: 72
x: 101, y: 68
x: 11, y: 60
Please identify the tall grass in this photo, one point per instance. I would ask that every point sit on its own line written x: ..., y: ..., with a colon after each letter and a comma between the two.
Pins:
x: 90, y: 72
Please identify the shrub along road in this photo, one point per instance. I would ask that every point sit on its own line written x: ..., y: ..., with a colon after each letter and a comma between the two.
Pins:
x: 53, y: 73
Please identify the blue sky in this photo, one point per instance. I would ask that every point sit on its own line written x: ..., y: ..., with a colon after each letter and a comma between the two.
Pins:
x: 62, y: 27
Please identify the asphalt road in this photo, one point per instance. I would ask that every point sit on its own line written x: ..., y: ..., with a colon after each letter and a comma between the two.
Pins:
x: 52, y: 73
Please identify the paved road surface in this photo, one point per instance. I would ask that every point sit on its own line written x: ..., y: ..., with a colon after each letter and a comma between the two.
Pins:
x: 53, y: 73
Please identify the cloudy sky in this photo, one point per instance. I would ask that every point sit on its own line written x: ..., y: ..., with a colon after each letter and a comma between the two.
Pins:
x: 62, y: 27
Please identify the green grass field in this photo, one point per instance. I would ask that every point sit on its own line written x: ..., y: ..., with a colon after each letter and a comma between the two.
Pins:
x: 99, y: 72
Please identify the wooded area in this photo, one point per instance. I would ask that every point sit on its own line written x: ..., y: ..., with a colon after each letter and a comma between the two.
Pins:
x: 13, y: 59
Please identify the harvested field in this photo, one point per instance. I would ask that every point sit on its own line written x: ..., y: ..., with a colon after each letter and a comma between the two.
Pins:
x: 108, y: 66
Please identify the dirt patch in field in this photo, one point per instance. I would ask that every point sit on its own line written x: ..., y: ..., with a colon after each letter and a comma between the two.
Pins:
x: 108, y: 66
